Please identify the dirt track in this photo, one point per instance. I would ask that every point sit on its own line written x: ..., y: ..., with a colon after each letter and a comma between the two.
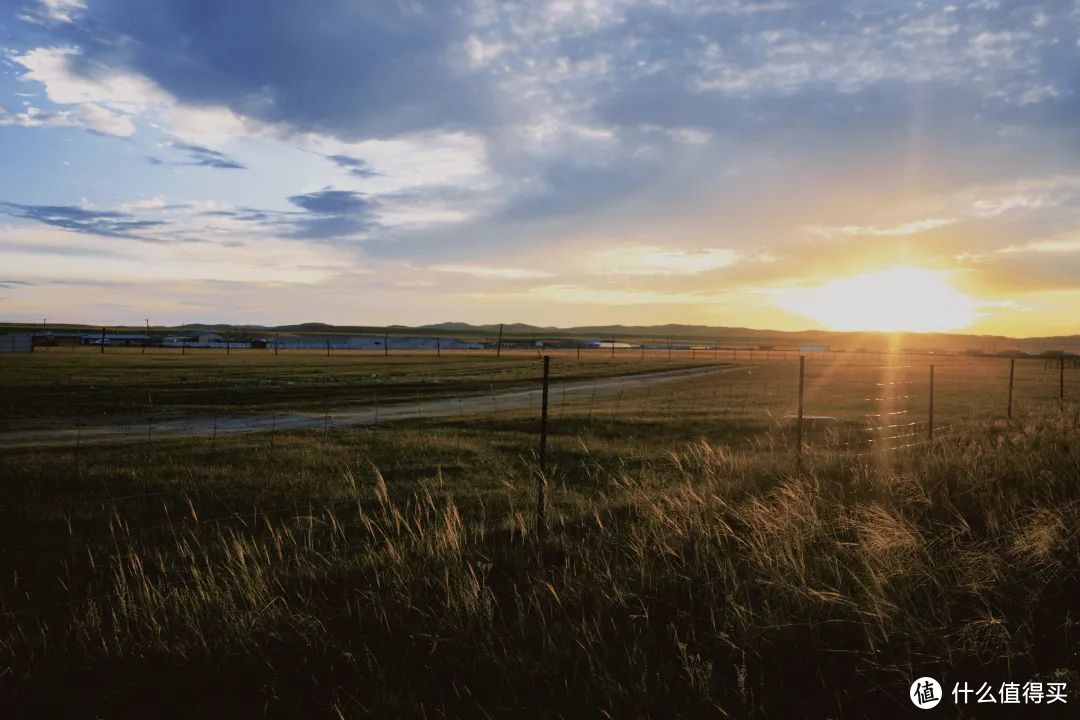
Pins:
x: 203, y: 426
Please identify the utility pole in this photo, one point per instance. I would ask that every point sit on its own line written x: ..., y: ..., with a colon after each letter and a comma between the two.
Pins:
x: 102, y: 341
x: 498, y: 344
x: 147, y: 341
x: 613, y: 347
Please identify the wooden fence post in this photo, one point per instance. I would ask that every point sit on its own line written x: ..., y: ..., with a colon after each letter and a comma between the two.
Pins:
x: 1061, y: 381
x: 541, y: 525
x: 1012, y: 373
x: 802, y: 387
x: 930, y: 420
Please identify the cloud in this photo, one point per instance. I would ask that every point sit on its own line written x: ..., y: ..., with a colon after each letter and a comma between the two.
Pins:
x: 695, y: 138
x: 1053, y: 247
x: 54, y: 11
x: 912, y: 227
x: 156, y: 202
x: 355, y: 166
x: 332, y: 214
x: 579, y: 294
x: 95, y: 118
x: 653, y: 260
x: 352, y: 70
x: 200, y: 156
x: 333, y: 202
x: 106, y: 223
x: 486, y: 272
x: 108, y: 99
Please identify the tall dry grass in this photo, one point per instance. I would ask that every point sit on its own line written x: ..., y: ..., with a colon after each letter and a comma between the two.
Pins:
x: 718, y: 582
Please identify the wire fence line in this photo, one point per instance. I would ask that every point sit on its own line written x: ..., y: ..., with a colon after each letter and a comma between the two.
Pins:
x: 894, y: 393
x: 859, y: 409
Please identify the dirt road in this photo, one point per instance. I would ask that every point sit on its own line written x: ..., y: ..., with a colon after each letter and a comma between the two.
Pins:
x: 203, y: 426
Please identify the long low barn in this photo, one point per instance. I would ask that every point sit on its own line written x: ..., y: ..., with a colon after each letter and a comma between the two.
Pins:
x: 362, y: 342
x: 17, y: 343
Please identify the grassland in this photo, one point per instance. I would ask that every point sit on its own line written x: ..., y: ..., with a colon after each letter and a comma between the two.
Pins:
x: 64, y: 383
x: 692, y: 565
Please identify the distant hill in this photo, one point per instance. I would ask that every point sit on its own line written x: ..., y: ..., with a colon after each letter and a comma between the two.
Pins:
x: 702, y: 334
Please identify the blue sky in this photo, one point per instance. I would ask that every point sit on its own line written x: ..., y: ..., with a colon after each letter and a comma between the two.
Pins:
x: 555, y: 161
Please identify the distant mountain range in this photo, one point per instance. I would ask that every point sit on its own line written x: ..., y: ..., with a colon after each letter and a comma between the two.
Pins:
x: 751, y: 336
x: 732, y: 336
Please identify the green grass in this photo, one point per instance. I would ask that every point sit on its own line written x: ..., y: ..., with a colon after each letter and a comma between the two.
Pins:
x: 53, y: 384
x: 691, y: 567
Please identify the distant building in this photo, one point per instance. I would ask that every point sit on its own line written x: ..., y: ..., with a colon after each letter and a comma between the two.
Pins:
x: 116, y: 339
x: 371, y: 342
x: 17, y: 343
x: 205, y: 340
x: 49, y: 338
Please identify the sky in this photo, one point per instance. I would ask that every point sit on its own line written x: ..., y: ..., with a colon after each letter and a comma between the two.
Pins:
x: 770, y: 164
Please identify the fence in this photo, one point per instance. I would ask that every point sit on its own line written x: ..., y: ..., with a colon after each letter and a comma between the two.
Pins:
x: 858, y: 405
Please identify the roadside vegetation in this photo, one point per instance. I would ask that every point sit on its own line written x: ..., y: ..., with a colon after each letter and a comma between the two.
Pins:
x: 691, y: 567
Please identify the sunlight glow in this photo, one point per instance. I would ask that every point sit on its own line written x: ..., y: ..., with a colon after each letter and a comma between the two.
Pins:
x: 896, y: 299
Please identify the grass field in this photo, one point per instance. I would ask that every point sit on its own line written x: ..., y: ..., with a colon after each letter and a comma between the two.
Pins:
x: 692, y: 565
x: 65, y: 383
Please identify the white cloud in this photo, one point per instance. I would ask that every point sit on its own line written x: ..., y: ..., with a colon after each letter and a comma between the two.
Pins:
x: 452, y: 158
x: 910, y: 47
x: 580, y: 295
x: 108, y: 100
x: 89, y: 116
x: 52, y: 67
x: 1066, y: 246
x: 912, y: 227
x: 652, y: 260
x: 57, y: 11
x: 102, y: 120
x: 143, y: 205
x: 483, y: 271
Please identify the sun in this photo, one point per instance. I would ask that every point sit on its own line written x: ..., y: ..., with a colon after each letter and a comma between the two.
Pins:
x: 897, y: 299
